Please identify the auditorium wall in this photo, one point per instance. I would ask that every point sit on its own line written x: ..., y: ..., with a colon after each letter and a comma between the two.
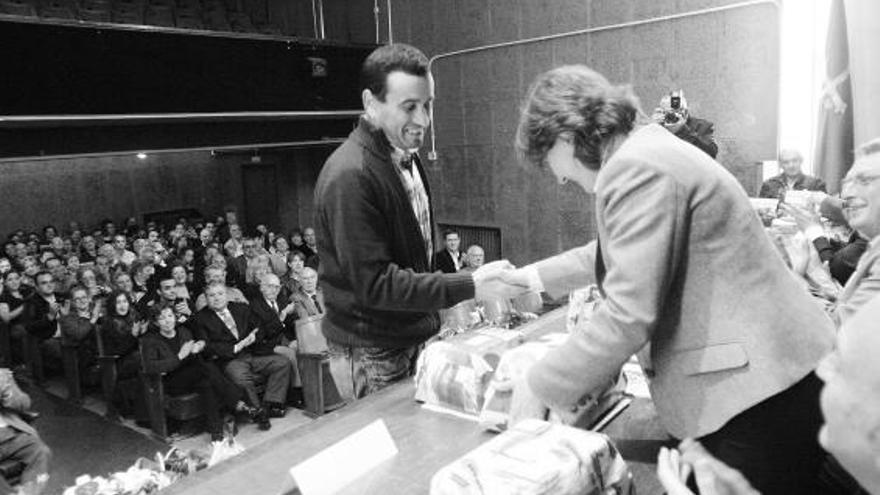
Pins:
x: 726, y: 62
x: 34, y: 193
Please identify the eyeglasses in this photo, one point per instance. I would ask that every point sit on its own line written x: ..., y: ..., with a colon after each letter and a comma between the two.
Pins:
x: 860, y: 179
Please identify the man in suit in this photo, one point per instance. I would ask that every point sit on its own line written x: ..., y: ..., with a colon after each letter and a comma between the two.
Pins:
x: 726, y: 335
x: 790, y: 178
x: 238, y: 266
x: 310, y: 248
x: 19, y: 440
x: 275, y: 315
x: 673, y: 114
x: 229, y: 332
x: 309, y: 299
x: 449, y: 260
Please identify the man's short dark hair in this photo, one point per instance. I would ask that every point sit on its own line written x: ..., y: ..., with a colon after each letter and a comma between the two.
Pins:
x: 43, y: 273
x: 387, y: 59
x: 447, y: 232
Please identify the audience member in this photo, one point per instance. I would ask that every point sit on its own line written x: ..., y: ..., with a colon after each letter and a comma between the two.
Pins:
x: 309, y: 300
x: 292, y: 280
x: 278, y: 256
x: 450, y: 259
x: 19, y: 440
x: 475, y: 257
x: 12, y: 299
x: 230, y: 330
x: 78, y: 328
x: 233, y: 246
x: 296, y: 239
x: 171, y: 349
x: 120, y: 329
x: 5, y: 266
x: 88, y: 250
x: 239, y: 266
x: 790, y: 178
x: 673, y: 114
x: 121, y: 255
x: 217, y: 274
x: 309, y: 247
x: 43, y: 308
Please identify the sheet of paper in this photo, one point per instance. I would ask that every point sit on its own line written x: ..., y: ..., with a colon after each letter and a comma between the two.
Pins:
x: 336, y: 466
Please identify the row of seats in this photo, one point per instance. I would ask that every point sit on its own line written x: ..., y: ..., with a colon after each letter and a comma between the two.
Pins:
x: 184, y: 14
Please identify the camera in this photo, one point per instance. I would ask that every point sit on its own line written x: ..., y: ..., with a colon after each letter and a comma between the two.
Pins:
x: 677, y: 110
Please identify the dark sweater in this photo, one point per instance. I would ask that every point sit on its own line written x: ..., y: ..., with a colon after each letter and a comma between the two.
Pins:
x: 375, y: 274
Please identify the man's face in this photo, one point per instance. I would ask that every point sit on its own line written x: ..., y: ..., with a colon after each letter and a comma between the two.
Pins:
x: 57, y: 243
x: 216, y: 296
x: 452, y: 242
x: 9, y: 249
x: 861, y: 195
x: 309, y: 237
x: 119, y: 243
x: 270, y: 287
x: 81, y: 300
x: 110, y: 228
x: 205, y: 236
x: 235, y: 232
x: 851, y: 403
x: 281, y: 245
x: 405, y: 115
x: 88, y: 242
x: 310, y: 280
x: 215, y: 275
x: 45, y: 284
x: 167, y: 290
x: 231, y: 217
x: 250, y: 248
x: 152, y: 236
x: 5, y: 265
x: 21, y: 250
x: 476, y: 257
x: 790, y: 163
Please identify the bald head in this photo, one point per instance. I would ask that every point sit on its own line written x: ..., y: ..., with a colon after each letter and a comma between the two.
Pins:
x: 309, y: 279
x: 270, y: 285
x: 476, y: 256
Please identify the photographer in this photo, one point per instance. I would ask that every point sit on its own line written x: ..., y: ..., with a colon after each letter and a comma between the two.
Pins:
x: 673, y: 115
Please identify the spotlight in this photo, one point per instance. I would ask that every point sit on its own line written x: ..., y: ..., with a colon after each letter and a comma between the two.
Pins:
x: 142, y: 156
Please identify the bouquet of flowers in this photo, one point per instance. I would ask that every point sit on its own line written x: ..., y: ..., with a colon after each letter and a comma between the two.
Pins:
x: 145, y: 477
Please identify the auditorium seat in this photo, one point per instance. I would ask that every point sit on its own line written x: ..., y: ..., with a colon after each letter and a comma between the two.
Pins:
x: 188, y: 21
x: 241, y: 23
x: 19, y: 8
x: 57, y: 10
x: 94, y: 14
x: 159, y: 15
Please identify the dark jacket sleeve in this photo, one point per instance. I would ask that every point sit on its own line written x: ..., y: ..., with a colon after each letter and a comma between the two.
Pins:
x: 36, y: 318
x: 353, y: 210
x: 700, y: 133
x: 158, y: 355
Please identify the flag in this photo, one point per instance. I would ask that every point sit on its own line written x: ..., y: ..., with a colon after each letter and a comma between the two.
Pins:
x: 834, y: 143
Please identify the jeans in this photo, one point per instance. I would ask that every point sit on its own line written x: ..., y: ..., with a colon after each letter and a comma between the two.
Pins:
x: 361, y: 371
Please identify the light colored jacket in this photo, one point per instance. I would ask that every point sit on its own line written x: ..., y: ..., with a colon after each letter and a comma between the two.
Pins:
x: 689, y: 270
x: 862, y: 286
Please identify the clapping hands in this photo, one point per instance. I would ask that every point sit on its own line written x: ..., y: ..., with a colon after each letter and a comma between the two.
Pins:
x: 713, y: 477
x: 499, y: 280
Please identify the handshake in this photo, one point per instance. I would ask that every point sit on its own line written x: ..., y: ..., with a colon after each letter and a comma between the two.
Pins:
x: 500, y: 280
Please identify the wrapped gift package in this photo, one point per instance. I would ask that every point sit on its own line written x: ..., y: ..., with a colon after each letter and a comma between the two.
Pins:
x: 512, y: 369
x: 536, y: 458
x: 455, y: 372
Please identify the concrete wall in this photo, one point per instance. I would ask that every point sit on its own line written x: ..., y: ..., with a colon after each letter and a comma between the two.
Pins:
x: 727, y: 63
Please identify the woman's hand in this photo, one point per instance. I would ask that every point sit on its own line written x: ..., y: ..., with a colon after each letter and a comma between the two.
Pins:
x: 713, y: 477
x: 185, y: 350
x: 672, y: 472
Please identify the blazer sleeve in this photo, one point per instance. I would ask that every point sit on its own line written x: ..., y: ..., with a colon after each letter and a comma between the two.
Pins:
x: 215, y: 345
x: 568, y: 271
x: 360, y: 231
x: 641, y: 248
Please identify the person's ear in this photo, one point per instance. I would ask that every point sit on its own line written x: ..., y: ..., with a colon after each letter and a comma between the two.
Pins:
x: 369, y: 101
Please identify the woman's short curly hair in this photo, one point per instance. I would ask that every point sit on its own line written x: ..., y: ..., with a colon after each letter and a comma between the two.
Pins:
x: 577, y: 100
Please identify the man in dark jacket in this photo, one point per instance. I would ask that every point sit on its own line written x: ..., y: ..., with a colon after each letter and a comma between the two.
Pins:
x: 790, y: 178
x: 673, y: 114
x: 449, y: 260
x: 375, y: 232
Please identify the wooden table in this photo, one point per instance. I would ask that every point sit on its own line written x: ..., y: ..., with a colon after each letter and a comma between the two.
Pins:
x: 427, y: 440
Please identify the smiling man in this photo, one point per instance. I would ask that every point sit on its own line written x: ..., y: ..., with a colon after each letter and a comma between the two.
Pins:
x: 861, y: 196
x: 375, y: 231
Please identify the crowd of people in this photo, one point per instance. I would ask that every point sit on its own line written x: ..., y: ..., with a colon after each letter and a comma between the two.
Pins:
x: 210, y: 307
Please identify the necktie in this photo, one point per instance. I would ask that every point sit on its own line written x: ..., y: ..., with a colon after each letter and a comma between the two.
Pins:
x: 274, y: 306
x: 317, y: 304
x: 227, y: 318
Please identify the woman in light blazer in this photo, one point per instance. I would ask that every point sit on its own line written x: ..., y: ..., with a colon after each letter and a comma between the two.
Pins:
x: 726, y: 336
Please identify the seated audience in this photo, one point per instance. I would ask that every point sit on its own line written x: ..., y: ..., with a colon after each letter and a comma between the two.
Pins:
x: 239, y: 266
x: 296, y: 240
x: 230, y: 331
x: 233, y: 246
x: 43, y: 308
x: 790, y: 178
x: 171, y: 349
x: 88, y: 278
x: 167, y: 295
x: 19, y: 440
x: 217, y: 273
x: 120, y: 329
x: 278, y: 256
x: 88, y: 250
x: 450, y: 259
x: 141, y: 272
x: 5, y: 266
x: 180, y: 276
x: 309, y: 300
x: 310, y: 248
x: 12, y: 298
